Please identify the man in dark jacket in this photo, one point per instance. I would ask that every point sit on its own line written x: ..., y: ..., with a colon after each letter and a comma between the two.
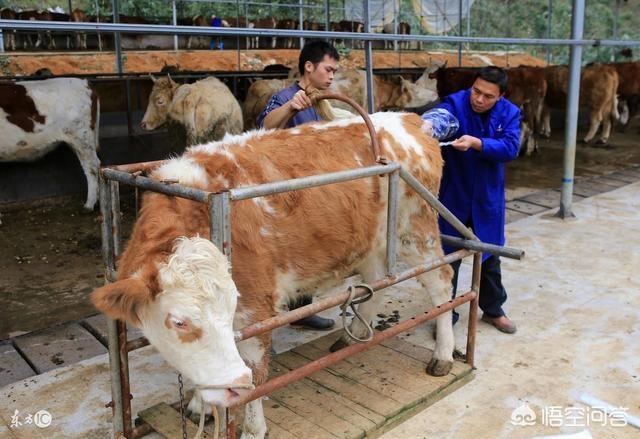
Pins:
x: 472, y: 186
x: 317, y: 63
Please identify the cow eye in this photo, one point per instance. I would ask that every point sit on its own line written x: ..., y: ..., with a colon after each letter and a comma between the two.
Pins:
x: 179, y: 324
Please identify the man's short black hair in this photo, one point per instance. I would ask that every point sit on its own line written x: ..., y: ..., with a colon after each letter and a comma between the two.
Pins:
x: 494, y: 75
x: 315, y: 52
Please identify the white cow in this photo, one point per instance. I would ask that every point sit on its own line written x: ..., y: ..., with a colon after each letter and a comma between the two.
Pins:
x: 36, y: 116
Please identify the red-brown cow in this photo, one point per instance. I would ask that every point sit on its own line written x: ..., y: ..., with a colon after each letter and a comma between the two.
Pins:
x: 288, y: 24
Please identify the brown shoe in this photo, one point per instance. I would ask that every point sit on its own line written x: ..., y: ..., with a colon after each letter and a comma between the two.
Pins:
x: 502, y: 323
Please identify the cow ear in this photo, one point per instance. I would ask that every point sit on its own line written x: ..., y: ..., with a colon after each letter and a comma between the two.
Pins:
x: 123, y: 299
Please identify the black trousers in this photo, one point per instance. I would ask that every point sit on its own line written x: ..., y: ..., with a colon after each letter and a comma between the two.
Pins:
x: 492, y: 292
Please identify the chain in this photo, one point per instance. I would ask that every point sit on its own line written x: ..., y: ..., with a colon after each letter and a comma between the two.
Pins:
x: 182, y: 411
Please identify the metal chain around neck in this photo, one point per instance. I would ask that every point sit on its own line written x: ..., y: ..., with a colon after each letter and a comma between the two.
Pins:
x: 182, y: 411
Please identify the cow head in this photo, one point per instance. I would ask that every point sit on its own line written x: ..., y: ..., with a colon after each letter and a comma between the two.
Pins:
x: 159, y: 103
x: 185, y: 307
x: 416, y: 95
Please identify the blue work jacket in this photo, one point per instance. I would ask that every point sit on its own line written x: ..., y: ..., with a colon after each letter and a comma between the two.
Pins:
x: 473, y: 181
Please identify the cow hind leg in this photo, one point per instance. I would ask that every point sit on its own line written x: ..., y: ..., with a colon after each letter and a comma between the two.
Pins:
x: 371, y: 270
x: 594, y: 124
x: 88, y: 158
x: 545, y: 130
x: 438, y: 285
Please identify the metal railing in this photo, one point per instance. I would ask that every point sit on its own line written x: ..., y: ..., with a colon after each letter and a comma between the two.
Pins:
x: 219, y: 206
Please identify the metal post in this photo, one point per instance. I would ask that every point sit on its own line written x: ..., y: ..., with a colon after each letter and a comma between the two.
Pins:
x: 549, y: 23
x: 174, y: 14
x: 220, y: 225
x: 368, y: 60
x: 473, y: 309
x: 327, y: 16
x: 116, y: 216
x: 469, y: 23
x: 112, y: 329
x: 300, y: 21
x: 616, y: 18
x: 392, y: 210
x: 2, y: 41
x: 573, y: 99
x: 459, y: 32
x: 116, y: 37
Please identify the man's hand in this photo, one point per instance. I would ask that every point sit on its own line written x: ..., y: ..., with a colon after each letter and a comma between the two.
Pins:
x: 300, y: 101
x: 427, y: 127
x: 465, y: 142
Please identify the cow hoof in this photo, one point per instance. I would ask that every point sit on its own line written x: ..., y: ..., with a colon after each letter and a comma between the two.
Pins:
x: 339, y: 344
x: 583, y: 141
x: 438, y: 368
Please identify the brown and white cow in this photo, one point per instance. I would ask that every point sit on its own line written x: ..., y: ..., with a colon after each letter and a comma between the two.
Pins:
x: 200, y: 40
x: 240, y: 22
x: 37, y: 116
x: 188, y: 300
x: 262, y: 23
x: 205, y: 109
x: 598, y: 92
x: 78, y: 16
x: 9, y: 34
x: 287, y: 24
x: 33, y: 15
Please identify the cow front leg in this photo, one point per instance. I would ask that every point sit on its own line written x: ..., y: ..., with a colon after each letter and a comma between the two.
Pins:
x: 255, y: 352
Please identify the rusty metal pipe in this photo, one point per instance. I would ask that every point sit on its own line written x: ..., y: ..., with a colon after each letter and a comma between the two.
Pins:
x: 338, y: 299
x: 473, y: 309
x: 335, y: 357
x: 375, y: 147
x: 124, y: 378
x: 138, y: 343
x: 137, y: 167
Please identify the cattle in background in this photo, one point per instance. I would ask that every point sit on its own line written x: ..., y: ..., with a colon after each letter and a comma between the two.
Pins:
x: 389, y: 94
x: 201, y: 40
x: 403, y: 29
x: 628, y: 88
x: 34, y: 15
x: 287, y: 24
x: 100, y: 19
x: 78, y: 16
x: 188, y: 300
x: 527, y: 88
x: 262, y: 23
x: 37, y: 116
x: 9, y: 34
x: 240, y: 22
x: 206, y: 110
x: 258, y: 95
x: 312, y: 25
x: 347, y: 26
x: 598, y: 92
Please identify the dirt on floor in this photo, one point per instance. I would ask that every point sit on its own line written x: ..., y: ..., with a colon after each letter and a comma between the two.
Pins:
x: 24, y: 64
x: 51, y: 258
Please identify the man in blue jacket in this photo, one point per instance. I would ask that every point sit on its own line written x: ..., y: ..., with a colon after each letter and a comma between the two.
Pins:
x: 472, y: 184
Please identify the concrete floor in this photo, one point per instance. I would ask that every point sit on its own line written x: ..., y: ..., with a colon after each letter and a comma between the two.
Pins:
x: 574, y: 297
